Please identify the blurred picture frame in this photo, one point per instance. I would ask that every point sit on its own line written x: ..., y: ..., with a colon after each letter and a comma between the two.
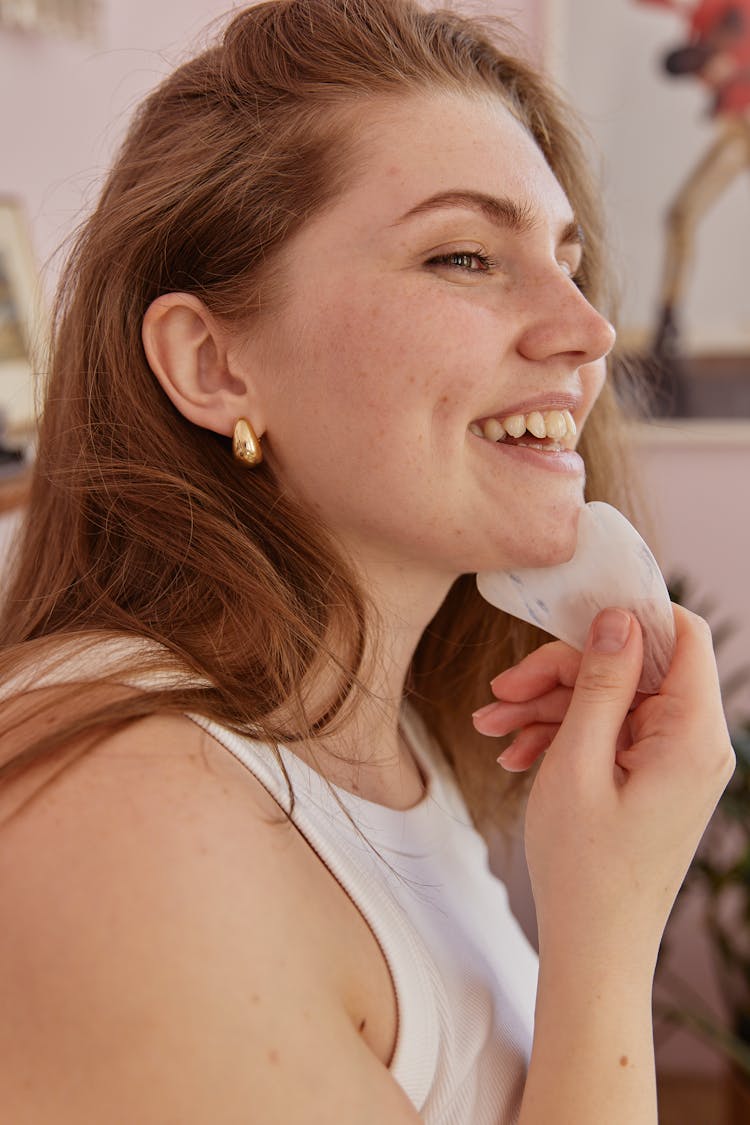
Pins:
x: 73, y: 18
x: 20, y: 321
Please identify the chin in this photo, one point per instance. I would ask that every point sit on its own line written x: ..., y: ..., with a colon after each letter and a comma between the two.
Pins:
x: 565, y: 549
x: 547, y: 550
x: 529, y: 556
x: 547, y: 558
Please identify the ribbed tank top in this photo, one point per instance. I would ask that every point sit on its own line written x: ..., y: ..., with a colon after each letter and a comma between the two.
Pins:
x: 464, y: 974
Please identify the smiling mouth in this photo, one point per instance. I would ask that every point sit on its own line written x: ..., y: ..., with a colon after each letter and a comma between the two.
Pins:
x: 551, y: 430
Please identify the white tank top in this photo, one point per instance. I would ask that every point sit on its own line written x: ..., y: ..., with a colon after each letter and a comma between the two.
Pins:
x: 464, y: 974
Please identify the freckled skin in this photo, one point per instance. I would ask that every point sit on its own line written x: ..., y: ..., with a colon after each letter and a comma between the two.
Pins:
x: 374, y: 368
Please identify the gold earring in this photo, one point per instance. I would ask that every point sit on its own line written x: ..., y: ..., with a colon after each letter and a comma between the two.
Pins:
x: 245, y: 443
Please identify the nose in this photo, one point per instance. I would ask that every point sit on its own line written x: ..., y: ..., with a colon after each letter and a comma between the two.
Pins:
x: 562, y: 322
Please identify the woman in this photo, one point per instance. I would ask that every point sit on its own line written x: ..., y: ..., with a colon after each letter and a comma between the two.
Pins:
x: 345, y: 239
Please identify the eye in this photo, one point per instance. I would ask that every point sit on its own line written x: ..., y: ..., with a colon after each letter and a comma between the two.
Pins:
x: 577, y: 274
x: 580, y: 281
x: 463, y: 260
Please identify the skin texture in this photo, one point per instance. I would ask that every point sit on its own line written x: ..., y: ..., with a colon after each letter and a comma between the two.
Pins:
x: 148, y: 968
x: 363, y: 385
x: 388, y: 356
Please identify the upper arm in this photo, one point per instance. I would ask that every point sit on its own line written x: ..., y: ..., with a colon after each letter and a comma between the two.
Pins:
x: 161, y: 956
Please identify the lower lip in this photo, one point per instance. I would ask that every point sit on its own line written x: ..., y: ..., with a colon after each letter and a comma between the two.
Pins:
x: 563, y: 461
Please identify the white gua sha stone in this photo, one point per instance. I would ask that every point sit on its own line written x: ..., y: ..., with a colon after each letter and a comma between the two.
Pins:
x: 612, y: 566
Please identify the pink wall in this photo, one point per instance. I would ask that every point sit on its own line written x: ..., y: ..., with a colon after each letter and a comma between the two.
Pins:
x: 67, y: 104
x: 697, y: 475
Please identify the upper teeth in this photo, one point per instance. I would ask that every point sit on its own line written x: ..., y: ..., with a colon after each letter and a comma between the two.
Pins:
x: 554, y: 424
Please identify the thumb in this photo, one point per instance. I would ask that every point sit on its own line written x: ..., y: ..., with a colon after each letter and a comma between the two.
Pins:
x: 605, y: 686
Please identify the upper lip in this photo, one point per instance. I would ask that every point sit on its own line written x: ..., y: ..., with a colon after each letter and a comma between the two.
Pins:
x: 542, y: 403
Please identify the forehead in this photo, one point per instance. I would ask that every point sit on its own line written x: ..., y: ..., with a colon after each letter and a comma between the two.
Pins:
x: 411, y: 149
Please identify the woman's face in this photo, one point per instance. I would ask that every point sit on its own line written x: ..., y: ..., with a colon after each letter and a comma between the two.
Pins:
x: 406, y: 324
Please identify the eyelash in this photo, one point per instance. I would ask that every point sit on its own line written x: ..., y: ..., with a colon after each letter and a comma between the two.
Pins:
x: 445, y: 260
x: 487, y: 263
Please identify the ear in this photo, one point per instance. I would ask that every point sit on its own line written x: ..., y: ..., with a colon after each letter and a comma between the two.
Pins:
x: 189, y: 353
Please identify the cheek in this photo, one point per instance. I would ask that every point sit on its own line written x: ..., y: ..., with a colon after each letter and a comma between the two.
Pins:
x: 371, y: 354
x: 544, y: 523
x: 404, y: 349
x: 593, y: 377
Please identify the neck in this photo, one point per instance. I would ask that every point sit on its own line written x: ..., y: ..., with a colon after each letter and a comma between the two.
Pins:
x: 369, y: 755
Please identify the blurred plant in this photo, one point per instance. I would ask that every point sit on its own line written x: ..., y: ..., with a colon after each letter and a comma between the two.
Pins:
x: 721, y: 873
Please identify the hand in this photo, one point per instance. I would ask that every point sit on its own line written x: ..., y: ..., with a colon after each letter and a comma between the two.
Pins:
x: 627, y: 785
x: 533, y: 699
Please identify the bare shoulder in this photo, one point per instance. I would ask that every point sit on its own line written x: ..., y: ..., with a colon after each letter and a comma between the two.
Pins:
x: 163, y: 773
x: 166, y: 947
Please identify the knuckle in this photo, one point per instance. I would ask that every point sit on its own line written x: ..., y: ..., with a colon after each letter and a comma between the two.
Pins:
x: 699, y: 624
x: 721, y: 764
x: 598, y: 683
x: 704, y: 630
x: 589, y: 694
x: 729, y: 765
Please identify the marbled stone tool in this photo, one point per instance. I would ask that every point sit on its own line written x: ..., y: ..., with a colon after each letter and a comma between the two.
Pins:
x: 612, y: 566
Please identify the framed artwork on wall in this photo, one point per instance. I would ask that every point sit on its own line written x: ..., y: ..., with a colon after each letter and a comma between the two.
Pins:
x: 663, y: 87
x: 20, y: 321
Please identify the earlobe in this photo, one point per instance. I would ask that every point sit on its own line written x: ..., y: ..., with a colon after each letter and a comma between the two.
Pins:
x: 187, y: 352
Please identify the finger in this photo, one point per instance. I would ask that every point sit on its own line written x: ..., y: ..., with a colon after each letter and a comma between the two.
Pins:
x: 692, y: 673
x: 604, y: 690
x: 542, y: 670
x: 640, y: 697
x: 501, y: 718
x: 524, y: 751
x: 625, y: 737
x: 689, y: 697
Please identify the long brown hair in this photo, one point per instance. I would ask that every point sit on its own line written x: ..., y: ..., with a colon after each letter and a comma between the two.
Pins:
x: 139, y: 522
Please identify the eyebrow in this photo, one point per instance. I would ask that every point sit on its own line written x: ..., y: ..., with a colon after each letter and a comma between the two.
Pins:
x: 500, y: 210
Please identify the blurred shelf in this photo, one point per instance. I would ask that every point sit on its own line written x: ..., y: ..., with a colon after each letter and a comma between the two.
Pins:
x: 696, y: 387
x: 696, y: 431
x: 717, y: 386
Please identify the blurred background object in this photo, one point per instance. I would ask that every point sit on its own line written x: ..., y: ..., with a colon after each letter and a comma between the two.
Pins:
x: 21, y: 323
x: 76, y: 18
x: 719, y: 882
x: 664, y: 89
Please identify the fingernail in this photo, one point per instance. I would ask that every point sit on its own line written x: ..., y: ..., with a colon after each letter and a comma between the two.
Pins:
x: 484, y: 711
x: 505, y: 760
x: 611, y: 630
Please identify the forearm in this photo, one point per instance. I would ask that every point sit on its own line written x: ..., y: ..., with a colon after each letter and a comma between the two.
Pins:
x: 593, y: 1057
